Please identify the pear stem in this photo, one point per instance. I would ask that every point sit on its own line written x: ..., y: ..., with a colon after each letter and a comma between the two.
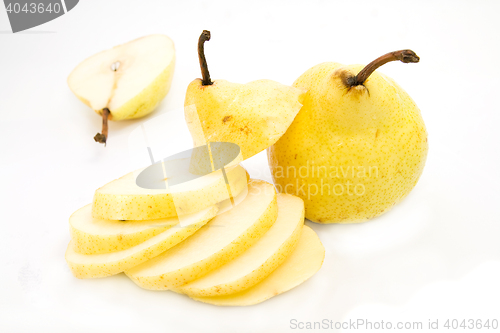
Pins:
x: 406, y: 56
x: 205, y: 36
x: 102, y: 137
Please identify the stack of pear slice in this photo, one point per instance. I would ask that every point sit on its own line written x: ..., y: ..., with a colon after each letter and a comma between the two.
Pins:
x: 244, y: 255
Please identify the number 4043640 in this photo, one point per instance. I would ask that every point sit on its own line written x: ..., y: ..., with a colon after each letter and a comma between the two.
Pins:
x: 33, y: 8
x: 471, y: 324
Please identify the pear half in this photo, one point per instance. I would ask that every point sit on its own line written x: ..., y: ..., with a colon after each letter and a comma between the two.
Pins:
x: 221, y: 240
x: 123, y: 199
x: 128, y: 80
x: 84, y: 266
x: 304, y: 262
x: 93, y: 235
x: 258, y: 261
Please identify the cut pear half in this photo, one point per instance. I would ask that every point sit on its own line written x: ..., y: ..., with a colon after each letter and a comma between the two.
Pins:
x: 84, y: 266
x: 128, y: 79
x: 123, y: 199
x: 221, y: 240
x: 304, y: 262
x: 260, y: 260
x: 93, y: 235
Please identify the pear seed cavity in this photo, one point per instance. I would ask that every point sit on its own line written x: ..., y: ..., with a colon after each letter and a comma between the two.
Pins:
x: 115, y: 66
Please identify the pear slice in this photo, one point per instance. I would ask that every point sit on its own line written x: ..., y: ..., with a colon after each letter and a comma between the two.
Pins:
x: 222, y: 239
x: 128, y: 80
x: 303, y: 263
x: 93, y: 235
x: 123, y: 199
x: 84, y: 266
x: 253, y: 115
x: 258, y: 261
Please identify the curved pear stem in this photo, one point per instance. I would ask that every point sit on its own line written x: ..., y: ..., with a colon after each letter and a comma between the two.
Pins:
x: 406, y: 56
x: 205, y: 36
x: 102, y: 137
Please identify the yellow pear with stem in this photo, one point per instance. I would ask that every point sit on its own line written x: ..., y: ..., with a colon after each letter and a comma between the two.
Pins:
x: 358, y: 145
x: 252, y: 115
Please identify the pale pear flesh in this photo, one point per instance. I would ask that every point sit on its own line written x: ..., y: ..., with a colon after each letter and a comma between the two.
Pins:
x: 221, y: 240
x: 301, y: 264
x: 93, y: 235
x: 129, y: 79
x: 123, y: 199
x: 260, y: 260
x: 84, y: 266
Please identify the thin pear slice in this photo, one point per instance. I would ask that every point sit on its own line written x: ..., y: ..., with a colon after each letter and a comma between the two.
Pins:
x: 222, y: 239
x: 303, y: 263
x: 123, y: 199
x: 129, y: 79
x: 93, y: 235
x: 258, y: 261
x: 84, y: 266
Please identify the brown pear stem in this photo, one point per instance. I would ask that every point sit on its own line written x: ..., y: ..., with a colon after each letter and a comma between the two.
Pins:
x: 205, y: 36
x: 102, y: 137
x: 405, y: 56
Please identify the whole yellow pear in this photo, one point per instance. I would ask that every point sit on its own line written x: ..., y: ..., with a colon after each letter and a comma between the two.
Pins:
x: 357, y: 146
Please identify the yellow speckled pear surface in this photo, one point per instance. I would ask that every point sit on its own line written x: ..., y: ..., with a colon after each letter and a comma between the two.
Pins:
x: 252, y: 115
x: 352, y: 152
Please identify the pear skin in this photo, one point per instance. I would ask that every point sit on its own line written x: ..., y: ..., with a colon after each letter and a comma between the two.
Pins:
x: 352, y: 152
x: 253, y: 115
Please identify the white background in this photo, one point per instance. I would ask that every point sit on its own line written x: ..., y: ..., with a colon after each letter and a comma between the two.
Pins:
x: 434, y: 256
